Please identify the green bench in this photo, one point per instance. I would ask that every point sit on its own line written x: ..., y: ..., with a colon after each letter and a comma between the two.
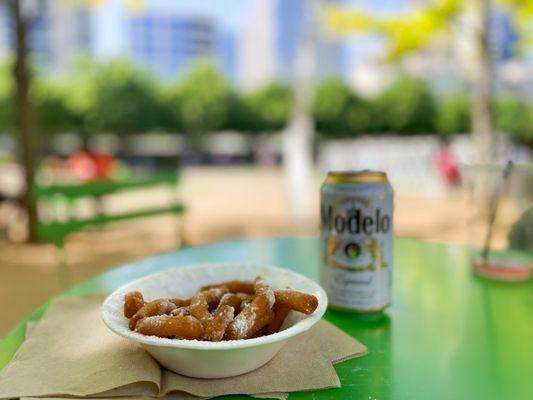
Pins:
x: 55, y: 228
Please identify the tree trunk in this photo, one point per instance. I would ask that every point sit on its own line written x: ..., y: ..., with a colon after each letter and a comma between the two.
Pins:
x: 298, y: 135
x: 482, y: 80
x: 25, y: 116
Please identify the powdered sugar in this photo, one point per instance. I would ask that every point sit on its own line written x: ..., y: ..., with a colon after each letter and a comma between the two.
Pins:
x: 156, y: 321
x: 270, y: 297
x: 180, y: 312
x: 242, y: 324
x: 263, y: 289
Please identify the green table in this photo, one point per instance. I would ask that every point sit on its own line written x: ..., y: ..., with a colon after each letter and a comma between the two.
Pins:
x: 448, y: 335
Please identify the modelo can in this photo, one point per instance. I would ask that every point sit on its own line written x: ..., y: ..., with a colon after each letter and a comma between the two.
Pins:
x: 356, y: 212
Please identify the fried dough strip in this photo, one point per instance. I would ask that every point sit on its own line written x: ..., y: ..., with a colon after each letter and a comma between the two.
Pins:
x: 255, y: 315
x: 171, y: 326
x: 280, y: 313
x: 133, y: 301
x: 215, y: 329
x: 203, y: 301
x: 297, y: 301
x: 234, y: 286
x: 153, y: 308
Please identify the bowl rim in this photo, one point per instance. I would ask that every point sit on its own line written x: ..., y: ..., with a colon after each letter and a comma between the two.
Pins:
x: 300, y: 327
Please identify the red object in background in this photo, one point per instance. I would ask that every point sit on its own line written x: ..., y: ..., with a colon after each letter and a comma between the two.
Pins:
x: 105, y: 165
x: 448, y: 167
x: 87, y: 166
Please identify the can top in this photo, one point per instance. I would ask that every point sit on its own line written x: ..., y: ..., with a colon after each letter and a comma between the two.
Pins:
x: 364, y: 176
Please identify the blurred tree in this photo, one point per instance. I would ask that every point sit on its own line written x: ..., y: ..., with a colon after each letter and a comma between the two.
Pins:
x: 54, y: 111
x: 200, y: 102
x: 360, y: 116
x: 172, y: 104
x: 330, y: 103
x: 80, y: 93
x: 340, y: 113
x: 414, y: 31
x: 240, y: 117
x: 269, y: 107
x: 6, y: 97
x: 453, y: 114
x: 125, y: 101
x: 265, y: 109
x: 404, y: 33
x: 515, y: 116
x: 482, y: 79
x: 25, y: 122
x: 406, y: 106
x: 298, y: 136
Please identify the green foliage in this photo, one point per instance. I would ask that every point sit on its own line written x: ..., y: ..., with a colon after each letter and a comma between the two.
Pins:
x: 418, y: 28
x: 125, y: 101
x: 360, y: 116
x: 200, y: 103
x: 453, y: 114
x: 340, y: 113
x: 515, y: 117
x: 54, y: 112
x: 50, y: 98
x: 266, y: 109
x: 6, y: 97
x: 81, y: 94
x: 240, y: 116
x: 407, y: 32
x: 329, y: 107
x: 406, y: 106
x: 118, y: 98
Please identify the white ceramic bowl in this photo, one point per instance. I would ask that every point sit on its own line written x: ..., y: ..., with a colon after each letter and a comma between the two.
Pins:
x: 212, y: 359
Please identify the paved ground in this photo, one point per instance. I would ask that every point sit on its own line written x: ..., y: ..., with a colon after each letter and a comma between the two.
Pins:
x: 224, y: 203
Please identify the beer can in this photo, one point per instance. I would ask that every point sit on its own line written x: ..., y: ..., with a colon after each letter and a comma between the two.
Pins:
x: 356, y: 215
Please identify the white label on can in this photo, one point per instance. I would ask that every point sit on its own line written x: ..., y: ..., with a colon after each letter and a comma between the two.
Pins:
x: 356, y: 227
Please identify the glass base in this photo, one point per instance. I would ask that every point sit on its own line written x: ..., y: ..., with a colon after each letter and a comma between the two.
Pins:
x: 503, y: 268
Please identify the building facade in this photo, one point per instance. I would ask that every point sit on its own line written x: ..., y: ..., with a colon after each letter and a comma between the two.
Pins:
x: 58, y: 32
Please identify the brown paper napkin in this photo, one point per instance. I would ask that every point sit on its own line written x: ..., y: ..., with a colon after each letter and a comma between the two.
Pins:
x: 70, y: 352
x: 30, y: 325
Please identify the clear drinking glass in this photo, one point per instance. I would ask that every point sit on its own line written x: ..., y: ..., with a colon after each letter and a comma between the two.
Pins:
x: 500, y: 219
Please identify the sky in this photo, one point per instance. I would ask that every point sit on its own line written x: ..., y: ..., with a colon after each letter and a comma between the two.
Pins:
x: 229, y: 16
x: 230, y: 13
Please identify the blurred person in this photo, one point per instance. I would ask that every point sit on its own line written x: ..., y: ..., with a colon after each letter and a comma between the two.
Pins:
x: 447, y: 164
x: 89, y: 166
x: 53, y: 169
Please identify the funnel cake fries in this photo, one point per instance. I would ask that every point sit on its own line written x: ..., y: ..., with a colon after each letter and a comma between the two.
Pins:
x: 234, y: 286
x: 182, y: 311
x: 133, y: 301
x: 170, y: 326
x: 255, y: 315
x: 205, y: 300
x: 280, y: 313
x: 230, y: 310
x: 235, y: 300
x: 180, y: 302
x: 215, y: 329
x: 153, y: 308
x: 297, y: 301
